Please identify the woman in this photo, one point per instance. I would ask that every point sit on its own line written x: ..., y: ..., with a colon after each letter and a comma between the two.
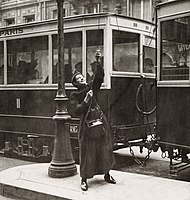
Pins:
x: 96, y: 155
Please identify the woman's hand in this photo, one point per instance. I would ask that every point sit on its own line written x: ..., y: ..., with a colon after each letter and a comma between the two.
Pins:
x: 89, y: 95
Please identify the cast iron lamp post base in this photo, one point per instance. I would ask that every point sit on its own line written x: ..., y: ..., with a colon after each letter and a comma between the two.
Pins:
x: 62, y: 164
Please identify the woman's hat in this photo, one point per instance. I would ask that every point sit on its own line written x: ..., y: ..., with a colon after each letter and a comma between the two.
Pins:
x: 73, y: 80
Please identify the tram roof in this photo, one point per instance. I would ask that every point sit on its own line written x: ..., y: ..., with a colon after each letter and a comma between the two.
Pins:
x: 77, y: 18
x: 173, y: 7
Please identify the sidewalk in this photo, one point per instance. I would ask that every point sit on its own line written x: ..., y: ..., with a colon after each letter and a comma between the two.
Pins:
x: 32, y: 182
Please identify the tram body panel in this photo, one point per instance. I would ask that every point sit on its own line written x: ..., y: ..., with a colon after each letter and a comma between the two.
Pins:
x: 118, y: 103
x: 123, y: 99
x: 27, y: 103
x: 34, y: 116
x: 130, y: 124
x: 173, y: 116
x: 173, y: 99
x: 173, y: 77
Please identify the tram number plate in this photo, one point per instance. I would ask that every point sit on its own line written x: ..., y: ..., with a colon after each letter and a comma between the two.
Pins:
x: 73, y: 129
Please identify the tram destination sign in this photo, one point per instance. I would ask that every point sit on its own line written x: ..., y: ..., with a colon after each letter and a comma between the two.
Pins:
x: 9, y: 32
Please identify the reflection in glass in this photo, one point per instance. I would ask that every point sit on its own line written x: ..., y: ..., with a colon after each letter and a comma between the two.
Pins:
x: 28, y: 61
x: 73, y: 55
x: 94, y: 40
x: 175, y: 49
x: 149, y: 60
x: 126, y: 51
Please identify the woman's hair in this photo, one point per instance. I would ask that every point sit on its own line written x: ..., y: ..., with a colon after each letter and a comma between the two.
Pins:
x: 73, y: 80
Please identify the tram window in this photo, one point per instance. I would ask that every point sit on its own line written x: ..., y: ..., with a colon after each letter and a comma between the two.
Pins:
x: 94, y: 40
x: 1, y: 63
x: 28, y: 61
x: 72, y: 56
x: 149, y: 60
x: 175, y: 49
x: 125, y: 51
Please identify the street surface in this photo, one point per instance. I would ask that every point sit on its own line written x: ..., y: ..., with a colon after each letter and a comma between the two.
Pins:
x: 6, y: 163
x: 155, y: 166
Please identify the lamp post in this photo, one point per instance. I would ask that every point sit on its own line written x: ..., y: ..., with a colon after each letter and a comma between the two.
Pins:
x: 62, y: 164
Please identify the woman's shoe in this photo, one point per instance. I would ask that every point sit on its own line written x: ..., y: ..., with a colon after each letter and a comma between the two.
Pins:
x: 109, y: 179
x: 84, y: 186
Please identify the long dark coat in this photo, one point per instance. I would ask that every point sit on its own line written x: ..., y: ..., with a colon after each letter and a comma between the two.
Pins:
x: 96, y: 156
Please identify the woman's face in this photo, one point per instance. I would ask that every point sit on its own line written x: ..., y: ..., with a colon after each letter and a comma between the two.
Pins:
x: 80, y: 79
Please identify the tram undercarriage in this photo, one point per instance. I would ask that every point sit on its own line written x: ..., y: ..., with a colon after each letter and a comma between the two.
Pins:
x: 179, y: 157
x: 39, y: 148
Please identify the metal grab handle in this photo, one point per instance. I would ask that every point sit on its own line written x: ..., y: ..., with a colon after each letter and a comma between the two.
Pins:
x: 137, y: 106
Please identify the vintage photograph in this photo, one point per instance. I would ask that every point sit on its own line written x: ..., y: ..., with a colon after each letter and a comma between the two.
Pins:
x: 95, y: 99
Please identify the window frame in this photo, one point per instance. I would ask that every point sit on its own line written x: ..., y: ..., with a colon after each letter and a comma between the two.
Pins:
x: 168, y: 83
x: 128, y: 73
x: 9, y: 19
x: 26, y: 17
x: 32, y: 59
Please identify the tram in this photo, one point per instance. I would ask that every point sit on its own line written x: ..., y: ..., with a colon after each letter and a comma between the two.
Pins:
x: 173, y: 85
x: 28, y: 81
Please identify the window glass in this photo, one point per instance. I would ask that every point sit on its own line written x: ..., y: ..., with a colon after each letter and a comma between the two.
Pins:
x: 175, y: 49
x: 55, y: 14
x: 10, y: 21
x: 29, y: 18
x: 148, y: 60
x: 146, y: 10
x: 73, y: 55
x: 94, y: 42
x: 1, y: 63
x: 125, y: 51
x: 91, y: 8
x: 135, y: 8
x: 28, y: 61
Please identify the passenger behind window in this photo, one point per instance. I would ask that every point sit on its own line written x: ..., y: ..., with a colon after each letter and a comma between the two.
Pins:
x: 148, y: 66
x: 78, y: 67
x: 32, y: 74
x: 21, y: 74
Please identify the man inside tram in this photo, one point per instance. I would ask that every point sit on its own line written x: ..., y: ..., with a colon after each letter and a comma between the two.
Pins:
x: 78, y: 67
x: 148, y: 66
